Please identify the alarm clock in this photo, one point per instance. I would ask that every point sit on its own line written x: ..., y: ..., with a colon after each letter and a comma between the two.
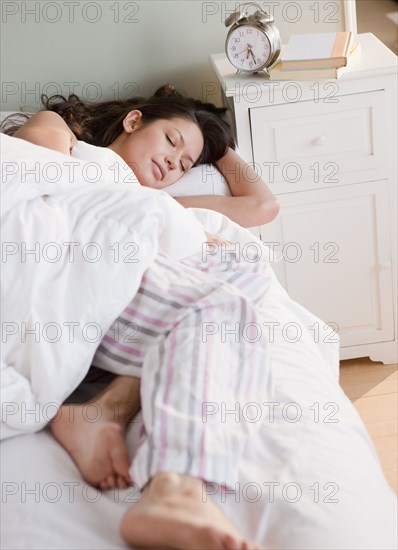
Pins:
x: 253, y: 43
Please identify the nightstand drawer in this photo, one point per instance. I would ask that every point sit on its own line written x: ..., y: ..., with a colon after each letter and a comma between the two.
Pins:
x: 340, y: 271
x: 312, y: 144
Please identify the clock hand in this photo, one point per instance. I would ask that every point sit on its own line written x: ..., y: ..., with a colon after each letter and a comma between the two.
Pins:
x: 250, y: 52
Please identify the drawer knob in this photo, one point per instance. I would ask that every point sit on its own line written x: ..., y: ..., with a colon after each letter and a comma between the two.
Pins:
x: 320, y: 140
x: 385, y: 264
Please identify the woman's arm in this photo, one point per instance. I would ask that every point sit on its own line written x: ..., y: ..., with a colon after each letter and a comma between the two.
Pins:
x: 48, y: 129
x: 252, y: 203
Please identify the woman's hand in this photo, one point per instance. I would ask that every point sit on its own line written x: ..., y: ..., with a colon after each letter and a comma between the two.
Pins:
x: 216, y: 239
x: 252, y: 202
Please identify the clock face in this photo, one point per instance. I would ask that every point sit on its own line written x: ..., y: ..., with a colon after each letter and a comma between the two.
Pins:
x: 248, y: 48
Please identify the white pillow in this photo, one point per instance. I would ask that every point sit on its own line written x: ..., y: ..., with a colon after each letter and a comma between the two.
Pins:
x: 205, y: 179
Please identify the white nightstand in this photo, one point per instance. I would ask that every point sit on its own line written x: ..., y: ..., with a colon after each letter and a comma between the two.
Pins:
x: 328, y: 151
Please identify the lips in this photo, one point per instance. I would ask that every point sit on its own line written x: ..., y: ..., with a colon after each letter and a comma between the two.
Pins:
x: 161, y: 171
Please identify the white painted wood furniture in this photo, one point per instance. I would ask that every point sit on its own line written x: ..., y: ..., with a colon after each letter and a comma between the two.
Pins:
x: 328, y: 151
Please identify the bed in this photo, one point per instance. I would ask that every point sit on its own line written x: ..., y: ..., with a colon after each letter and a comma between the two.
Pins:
x: 309, y: 479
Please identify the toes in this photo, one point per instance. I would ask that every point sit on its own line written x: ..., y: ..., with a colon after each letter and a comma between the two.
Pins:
x: 108, y: 483
x: 232, y: 543
x: 129, y: 479
x: 226, y: 542
x: 120, y: 459
x: 121, y: 482
x: 111, y: 481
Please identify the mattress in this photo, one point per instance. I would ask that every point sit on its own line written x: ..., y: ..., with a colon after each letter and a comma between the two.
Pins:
x: 309, y: 479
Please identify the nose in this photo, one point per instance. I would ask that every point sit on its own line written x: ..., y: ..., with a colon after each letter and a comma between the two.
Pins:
x: 171, y: 162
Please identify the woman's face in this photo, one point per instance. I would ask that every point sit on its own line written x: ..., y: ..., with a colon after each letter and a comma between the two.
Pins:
x: 160, y: 152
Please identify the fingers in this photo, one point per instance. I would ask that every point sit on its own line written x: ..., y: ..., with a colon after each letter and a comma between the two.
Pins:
x: 217, y: 239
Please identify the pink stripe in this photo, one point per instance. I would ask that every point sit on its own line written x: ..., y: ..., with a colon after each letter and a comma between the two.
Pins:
x: 251, y: 361
x: 185, y: 297
x: 203, y: 442
x: 189, y: 299
x: 164, y: 416
x: 142, y: 434
x: 208, y: 265
x: 246, y: 281
x: 202, y: 265
x: 143, y: 317
x: 146, y: 279
x: 127, y: 349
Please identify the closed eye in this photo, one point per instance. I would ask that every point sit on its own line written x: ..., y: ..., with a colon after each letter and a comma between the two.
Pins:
x: 183, y: 168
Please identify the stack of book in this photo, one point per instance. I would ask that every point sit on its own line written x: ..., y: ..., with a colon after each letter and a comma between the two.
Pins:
x: 315, y: 56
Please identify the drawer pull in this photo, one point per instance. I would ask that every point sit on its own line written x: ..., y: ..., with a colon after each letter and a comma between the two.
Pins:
x: 385, y: 264
x: 320, y: 140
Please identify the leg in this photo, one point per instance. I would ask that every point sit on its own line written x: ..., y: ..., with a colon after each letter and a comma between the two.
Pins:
x: 93, y: 433
x: 186, y: 378
x: 172, y: 307
x: 119, y: 403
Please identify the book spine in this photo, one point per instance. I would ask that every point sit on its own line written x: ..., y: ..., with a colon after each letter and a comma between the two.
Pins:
x: 340, y: 46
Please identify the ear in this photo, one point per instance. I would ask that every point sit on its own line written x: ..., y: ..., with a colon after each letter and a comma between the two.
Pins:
x: 132, y: 121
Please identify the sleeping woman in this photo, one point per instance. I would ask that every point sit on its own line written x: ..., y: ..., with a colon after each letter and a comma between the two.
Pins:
x: 171, y: 370
x: 115, y: 125
x: 183, y: 373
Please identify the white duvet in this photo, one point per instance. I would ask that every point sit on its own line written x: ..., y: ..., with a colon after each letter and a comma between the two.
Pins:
x: 310, y: 479
x: 75, y: 245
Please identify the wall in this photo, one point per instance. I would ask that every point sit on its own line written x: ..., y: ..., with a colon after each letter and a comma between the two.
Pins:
x: 110, y: 49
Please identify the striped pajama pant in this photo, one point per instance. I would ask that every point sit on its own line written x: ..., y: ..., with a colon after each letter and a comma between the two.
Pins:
x: 190, y: 335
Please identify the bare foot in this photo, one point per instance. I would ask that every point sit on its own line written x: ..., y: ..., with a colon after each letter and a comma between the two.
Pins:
x: 173, y: 514
x: 97, y: 447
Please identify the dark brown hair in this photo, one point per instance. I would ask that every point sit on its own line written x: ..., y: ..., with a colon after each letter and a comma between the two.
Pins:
x: 101, y: 123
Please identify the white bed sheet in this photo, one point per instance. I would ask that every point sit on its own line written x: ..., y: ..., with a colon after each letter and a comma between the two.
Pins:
x: 316, y: 460
x: 44, y: 493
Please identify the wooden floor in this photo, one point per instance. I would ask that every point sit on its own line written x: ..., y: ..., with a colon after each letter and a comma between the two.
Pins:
x: 380, y: 18
x: 372, y: 388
